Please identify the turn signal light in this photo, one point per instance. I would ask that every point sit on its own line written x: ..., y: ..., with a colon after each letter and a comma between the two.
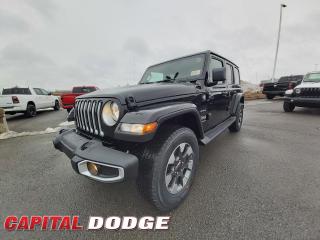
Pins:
x: 139, y: 129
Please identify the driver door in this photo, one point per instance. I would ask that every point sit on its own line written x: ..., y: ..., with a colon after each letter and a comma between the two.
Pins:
x: 218, y: 97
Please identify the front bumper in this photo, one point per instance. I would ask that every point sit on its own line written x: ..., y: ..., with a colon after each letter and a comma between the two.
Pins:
x: 116, y: 166
x: 303, y: 101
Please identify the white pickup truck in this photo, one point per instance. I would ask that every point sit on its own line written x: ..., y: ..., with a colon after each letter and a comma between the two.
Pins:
x: 27, y: 100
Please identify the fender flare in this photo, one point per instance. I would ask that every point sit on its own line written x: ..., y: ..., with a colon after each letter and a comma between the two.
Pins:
x: 160, y: 115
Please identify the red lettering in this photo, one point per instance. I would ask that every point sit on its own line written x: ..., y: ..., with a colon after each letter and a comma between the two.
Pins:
x: 65, y: 223
x: 10, y: 223
x: 54, y: 222
x: 44, y: 224
x: 75, y: 223
x: 35, y: 220
x: 23, y: 223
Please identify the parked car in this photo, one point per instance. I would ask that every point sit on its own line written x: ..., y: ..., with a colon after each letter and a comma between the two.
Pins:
x: 68, y: 99
x: 27, y: 100
x: 272, y: 89
x: 152, y: 131
x: 307, y: 94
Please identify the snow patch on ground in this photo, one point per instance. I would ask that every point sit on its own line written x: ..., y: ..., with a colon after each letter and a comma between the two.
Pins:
x: 64, y: 124
x: 12, y: 134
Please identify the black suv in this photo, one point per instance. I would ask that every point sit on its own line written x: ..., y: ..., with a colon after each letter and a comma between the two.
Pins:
x: 151, y: 131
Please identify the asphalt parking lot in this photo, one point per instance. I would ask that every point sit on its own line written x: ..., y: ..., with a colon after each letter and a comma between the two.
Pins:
x: 261, y: 183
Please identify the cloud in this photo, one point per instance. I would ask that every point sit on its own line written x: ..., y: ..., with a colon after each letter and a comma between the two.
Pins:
x: 12, y: 24
x: 57, y: 44
x: 45, y: 8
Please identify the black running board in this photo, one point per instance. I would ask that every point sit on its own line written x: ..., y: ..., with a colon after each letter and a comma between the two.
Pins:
x: 214, y: 132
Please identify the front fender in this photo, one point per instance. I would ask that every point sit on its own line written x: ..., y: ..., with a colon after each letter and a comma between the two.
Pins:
x: 159, y: 115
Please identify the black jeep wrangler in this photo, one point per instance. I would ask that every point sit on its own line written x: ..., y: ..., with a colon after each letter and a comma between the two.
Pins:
x: 151, y: 131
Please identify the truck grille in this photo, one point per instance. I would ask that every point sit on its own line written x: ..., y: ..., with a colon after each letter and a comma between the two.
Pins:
x: 310, y: 92
x: 88, y: 116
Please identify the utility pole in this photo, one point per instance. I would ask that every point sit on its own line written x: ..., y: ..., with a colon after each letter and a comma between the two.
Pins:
x: 278, y: 41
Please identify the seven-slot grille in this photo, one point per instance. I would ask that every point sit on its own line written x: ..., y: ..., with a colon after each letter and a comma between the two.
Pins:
x: 310, y: 92
x: 88, y: 116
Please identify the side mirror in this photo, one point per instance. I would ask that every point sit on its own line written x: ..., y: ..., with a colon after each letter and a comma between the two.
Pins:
x: 219, y: 74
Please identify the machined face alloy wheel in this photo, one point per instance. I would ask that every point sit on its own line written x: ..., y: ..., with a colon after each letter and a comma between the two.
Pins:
x: 240, y: 116
x: 179, y: 168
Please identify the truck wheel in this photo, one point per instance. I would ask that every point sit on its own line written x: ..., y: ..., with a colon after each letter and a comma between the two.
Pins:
x: 269, y: 96
x: 56, y: 105
x: 167, y: 167
x: 31, y: 110
x: 288, y: 106
x: 236, y: 126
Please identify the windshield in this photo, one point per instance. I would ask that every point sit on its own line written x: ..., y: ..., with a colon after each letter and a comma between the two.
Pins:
x: 16, y: 91
x: 181, y: 69
x: 312, y: 77
x: 83, y: 89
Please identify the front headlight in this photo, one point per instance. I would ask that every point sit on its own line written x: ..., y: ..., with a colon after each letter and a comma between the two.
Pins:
x: 298, y: 90
x: 110, y: 113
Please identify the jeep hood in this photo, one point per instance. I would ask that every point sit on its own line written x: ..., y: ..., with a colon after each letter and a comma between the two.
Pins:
x: 144, y: 92
x: 309, y: 85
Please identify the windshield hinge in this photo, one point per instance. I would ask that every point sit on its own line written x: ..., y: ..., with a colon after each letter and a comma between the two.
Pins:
x: 131, y: 102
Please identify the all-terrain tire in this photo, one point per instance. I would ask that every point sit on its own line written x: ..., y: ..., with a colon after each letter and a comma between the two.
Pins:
x: 288, y: 106
x: 56, y: 106
x: 236, y: 126
x: 31, y: 110
x: 270, y: 96
x: 153, y: 166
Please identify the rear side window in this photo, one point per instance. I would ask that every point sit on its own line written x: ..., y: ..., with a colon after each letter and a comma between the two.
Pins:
x: 16, y: 91
x: 83, y: 89
x: 229, y: 74
x: 284, y: 79
x: 236, y: 76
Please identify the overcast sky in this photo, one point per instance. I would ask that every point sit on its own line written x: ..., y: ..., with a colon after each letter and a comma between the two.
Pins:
x: 56, y: 44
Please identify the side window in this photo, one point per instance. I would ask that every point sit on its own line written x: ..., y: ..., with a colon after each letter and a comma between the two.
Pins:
x: 236, y: 76
x: 44, y: 92
x: 215, y: 63
x: 229, y: 74
x: 38, y: 91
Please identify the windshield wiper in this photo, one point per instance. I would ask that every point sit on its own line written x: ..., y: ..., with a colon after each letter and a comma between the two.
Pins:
x: 168, y: 79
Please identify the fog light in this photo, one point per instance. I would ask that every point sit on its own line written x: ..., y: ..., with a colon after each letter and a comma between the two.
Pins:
x: 93, y: 168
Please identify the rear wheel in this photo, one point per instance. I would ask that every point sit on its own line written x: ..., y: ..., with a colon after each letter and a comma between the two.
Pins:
x: 236, y: 126
x: 269, y: 96
x: 168, y: 166
x: 56, y: 105
x: 31, y: 110
x: 288, y: 106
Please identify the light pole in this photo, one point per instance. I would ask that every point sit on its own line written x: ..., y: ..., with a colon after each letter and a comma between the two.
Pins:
x: 279, y: 31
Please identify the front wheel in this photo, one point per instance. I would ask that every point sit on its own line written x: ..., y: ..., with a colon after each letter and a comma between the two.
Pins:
x: 168, y: 166
x: 56, y: 106
x: 269, y: 96
x: 288, y: 107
